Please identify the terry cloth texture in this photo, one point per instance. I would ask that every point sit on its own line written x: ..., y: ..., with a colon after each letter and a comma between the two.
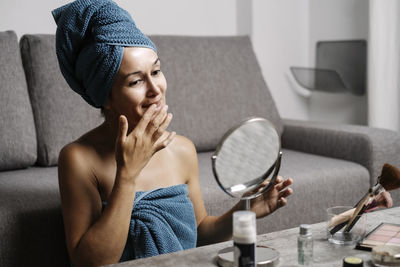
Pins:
x: 90, y: 38
x: 162, y: 222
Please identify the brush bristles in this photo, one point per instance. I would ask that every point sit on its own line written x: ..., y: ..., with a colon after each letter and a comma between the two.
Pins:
x: 390, y: 177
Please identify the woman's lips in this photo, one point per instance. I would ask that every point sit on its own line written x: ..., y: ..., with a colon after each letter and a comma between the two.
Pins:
x: 158, y: 103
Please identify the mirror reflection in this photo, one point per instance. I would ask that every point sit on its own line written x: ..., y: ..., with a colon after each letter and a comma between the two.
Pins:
x: 246, y: 156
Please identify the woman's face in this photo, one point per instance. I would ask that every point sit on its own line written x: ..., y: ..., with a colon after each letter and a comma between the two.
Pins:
x: 138, y: 84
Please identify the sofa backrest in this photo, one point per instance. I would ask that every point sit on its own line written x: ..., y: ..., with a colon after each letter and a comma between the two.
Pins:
x: 61, y: 116
x: 17, y: 129
x: 213, y: 83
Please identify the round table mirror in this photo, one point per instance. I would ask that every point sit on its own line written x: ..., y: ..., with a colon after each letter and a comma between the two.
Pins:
x: 247, y: 155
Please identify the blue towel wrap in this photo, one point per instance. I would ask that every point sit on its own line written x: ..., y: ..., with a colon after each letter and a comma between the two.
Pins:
x: 162, y: 221
x: 90, y: 39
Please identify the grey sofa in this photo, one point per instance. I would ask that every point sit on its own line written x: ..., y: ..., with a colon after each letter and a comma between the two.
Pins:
x: 213, y: 82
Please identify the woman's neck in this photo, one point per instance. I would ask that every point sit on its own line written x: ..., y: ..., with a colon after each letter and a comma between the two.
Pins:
x: 108, y: 131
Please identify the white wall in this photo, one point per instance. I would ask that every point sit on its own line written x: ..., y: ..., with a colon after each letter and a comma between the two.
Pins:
x: 24, y: 16
x: 384, y: 65
x: 280, y: 39
x: 183, y: 17
x: 244, y: 17
x: 331, y: 20
x: 200, y: 17
x: 285, y: 33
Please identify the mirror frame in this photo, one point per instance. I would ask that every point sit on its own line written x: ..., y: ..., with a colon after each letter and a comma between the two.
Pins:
x: 275, y: 166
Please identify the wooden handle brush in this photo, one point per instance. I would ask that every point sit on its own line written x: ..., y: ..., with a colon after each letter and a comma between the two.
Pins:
x: 388, y: 180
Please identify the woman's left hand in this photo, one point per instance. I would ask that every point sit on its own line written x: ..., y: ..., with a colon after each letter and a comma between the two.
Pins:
x: 273, y: 198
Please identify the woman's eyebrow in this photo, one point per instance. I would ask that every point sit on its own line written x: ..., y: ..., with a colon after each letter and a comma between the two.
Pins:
x: 132, y: 73
x: 138, y: 72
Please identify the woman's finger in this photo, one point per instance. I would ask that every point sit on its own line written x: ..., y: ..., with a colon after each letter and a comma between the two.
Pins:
x: 285, y: 193
x: 161, y: 144
x: 169, y: 139
x: 282, y: 185
x: 282, y: 202
x: 384, y: 200
x: 155, y: 122
x: 261, y: 187
x: 163, y: 126
x: 123, y: 129
x: 144, y: 121
x: 267, y: 181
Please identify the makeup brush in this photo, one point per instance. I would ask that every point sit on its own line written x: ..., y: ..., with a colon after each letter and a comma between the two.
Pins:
x: 388, y: 180
x: 360, y: 209
x: 382, y: 200
x: 390, y: 177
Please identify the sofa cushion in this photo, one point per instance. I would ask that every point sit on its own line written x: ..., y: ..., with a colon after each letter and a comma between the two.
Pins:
x: 60, y: 114
x: 17, y: 131
x: 31, y: 226
x: 318, y: 183
x: 220, y: 83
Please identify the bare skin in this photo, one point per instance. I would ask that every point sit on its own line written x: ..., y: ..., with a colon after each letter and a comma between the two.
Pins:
x: 132, y: 151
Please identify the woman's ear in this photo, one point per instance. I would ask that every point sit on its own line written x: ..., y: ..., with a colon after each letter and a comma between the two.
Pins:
x: 106, y: 109
x: 107, y: 105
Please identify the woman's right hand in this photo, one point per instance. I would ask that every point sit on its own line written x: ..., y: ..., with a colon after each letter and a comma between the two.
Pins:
x: 134, y: 150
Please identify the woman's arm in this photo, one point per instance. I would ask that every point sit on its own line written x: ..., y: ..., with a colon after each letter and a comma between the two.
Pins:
x: 213, y: 229
x: 95, y: 237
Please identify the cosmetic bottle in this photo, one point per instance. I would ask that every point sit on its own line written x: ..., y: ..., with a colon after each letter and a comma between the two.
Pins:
x: 305, y: 246
x: 244, y: 238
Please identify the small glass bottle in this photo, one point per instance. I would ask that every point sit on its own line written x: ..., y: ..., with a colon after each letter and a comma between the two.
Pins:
x: 305, y: 246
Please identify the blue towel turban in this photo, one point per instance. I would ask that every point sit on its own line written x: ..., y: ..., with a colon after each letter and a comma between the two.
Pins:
x: 90, y: 40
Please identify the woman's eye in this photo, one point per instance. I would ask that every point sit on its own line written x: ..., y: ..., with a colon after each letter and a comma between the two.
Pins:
x: 134, y: 83
x: 156, y: 72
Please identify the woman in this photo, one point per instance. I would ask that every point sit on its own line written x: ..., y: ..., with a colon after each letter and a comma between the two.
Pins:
x: 129, y: 188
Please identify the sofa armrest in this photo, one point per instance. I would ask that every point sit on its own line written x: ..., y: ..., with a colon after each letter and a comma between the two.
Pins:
x: 370, y: 147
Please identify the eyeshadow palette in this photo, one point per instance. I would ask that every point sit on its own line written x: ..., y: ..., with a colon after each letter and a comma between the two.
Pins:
x: 383, y: 234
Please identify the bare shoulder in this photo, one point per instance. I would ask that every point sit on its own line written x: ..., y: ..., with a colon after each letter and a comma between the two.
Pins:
x: 183, y: 147
x: 74, y: 152
x: 81, y: 153
x: 74, y: 162
x: 185, y: 157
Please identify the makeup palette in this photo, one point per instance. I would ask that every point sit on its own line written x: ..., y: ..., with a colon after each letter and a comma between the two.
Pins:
x: 383, y: 234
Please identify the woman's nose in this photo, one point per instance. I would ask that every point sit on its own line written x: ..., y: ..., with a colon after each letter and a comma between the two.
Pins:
x: 153, y: 88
